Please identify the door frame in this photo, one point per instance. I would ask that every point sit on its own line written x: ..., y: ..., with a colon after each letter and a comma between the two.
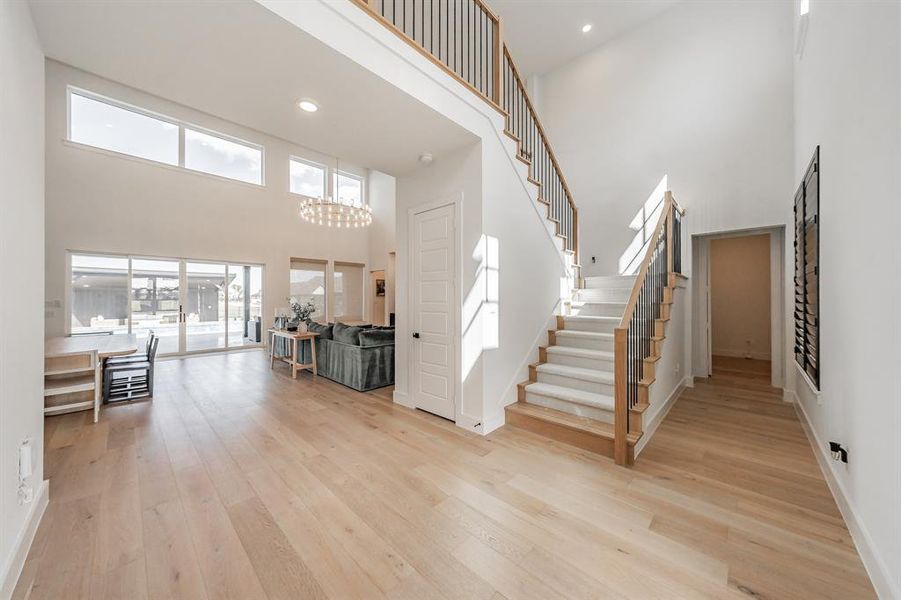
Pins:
x: 702, y: 344
x: 456, y: 201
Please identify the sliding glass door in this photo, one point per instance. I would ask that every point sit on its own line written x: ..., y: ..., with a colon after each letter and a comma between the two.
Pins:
x: 193, y: 306
x: 204, y: 306
x: 156, y: 302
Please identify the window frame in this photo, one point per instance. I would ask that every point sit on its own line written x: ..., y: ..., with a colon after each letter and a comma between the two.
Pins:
x: 181, y: 125
x: 339, y: 173
x: 182, y: 152
x: 327, y: 286
x: 71, y: 89
x: 310, y: 163
x: 130, y: 258
x: 809, y: 207
x: 336, y: 265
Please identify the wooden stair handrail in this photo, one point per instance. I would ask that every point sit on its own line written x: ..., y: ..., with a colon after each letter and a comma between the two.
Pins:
x: 621, y: 452
x: 544, y: 137
x: 645, y: 263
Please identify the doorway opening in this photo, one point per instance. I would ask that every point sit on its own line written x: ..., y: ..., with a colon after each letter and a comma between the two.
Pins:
x: 738, y: 306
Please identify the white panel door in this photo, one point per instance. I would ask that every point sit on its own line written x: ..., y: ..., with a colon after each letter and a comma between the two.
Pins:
x: 433, y: 305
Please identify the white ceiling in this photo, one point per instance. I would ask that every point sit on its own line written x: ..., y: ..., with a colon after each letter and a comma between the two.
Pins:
x: 544, y: 34
x: 238, y: 61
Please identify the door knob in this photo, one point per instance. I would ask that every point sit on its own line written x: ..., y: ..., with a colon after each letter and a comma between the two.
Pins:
x: 416, y: 334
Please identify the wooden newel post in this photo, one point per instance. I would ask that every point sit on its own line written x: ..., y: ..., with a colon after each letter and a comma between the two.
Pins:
x: 621, y: 401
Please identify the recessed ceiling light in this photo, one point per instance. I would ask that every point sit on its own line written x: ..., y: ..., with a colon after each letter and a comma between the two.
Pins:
x: 586, y: 28
x: 308, y: 106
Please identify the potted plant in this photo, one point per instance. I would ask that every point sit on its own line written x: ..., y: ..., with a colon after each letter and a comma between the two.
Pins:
x: 302, y: 312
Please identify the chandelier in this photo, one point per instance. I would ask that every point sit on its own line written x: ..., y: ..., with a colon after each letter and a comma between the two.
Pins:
x: 327, y: 211
x: 336, y: 212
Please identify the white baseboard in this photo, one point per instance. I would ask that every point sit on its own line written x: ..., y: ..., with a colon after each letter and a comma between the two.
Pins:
x: 469, y: 423
x: 22, y: 545
x: 651, y: 427
x: 495, y: 422
x: 741, y: 354
x: 879, y: 573
x: 402, y: 398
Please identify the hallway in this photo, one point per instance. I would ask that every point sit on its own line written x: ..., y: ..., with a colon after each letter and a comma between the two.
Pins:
x: 742, y: 483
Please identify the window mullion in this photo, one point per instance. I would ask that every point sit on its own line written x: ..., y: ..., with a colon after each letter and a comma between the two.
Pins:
x: 181, y: 146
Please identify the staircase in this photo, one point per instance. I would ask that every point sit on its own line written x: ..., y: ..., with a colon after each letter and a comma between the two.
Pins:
x: 590, y: 386
x: 570, y: 394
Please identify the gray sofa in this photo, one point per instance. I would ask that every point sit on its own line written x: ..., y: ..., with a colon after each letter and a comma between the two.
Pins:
x: 361, y: 358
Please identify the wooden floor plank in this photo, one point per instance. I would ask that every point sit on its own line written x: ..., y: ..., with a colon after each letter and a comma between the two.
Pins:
x: 237, y: 481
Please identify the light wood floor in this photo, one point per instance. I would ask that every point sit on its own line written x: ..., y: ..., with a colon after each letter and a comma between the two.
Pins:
x: 237, y: 482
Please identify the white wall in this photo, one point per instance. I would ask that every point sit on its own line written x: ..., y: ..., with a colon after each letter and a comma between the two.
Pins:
x: 702, y: 93
x: 740, y: 296
x: 21, y: 271
x: 382, y: 193
x: 847, y: 101
x: 100, y: 201
x: 524, y: 282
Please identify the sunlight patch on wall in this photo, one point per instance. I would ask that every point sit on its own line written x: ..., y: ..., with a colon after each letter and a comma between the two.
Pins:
x: 643, y: 224
x: 481, y: 305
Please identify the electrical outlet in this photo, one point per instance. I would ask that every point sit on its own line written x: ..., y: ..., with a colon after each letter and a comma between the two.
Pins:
x: 25, y: 460
x: 678, y: 368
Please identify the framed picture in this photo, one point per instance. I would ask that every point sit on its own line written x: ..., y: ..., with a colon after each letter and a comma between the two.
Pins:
x: 379, y: 287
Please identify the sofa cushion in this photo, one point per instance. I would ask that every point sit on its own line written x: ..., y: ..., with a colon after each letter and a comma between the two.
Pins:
x: 346, y: 334
x: 324, y: 331
x: 376, y: 337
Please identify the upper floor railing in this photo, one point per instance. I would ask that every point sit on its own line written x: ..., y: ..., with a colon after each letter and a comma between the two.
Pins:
x: 637, y: 338
x: 463, y: 37
x: 523, y: 124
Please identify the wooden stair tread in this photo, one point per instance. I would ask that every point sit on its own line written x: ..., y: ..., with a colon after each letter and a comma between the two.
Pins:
x: 566, y: 420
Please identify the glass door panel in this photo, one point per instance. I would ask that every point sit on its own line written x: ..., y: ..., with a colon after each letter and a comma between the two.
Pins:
x: 205, y: 305
x: 98, y: 295
x: 245, y: 294
x: 155, y: 302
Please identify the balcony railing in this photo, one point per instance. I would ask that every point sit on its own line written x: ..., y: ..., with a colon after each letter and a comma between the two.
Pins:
x: 463, y: 37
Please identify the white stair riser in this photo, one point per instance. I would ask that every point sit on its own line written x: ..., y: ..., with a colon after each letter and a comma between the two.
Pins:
x: 572, y: 408
x: 604, y: 344
x: 600, y: 310
x: 580, y: 361
x: 606, y: 326
x: 576, y: 384
x: 604, y: 295
x: 609, y: 282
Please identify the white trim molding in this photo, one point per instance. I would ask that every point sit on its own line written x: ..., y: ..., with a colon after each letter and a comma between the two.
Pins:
x: 13, y: 570
x: 880, y: 574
